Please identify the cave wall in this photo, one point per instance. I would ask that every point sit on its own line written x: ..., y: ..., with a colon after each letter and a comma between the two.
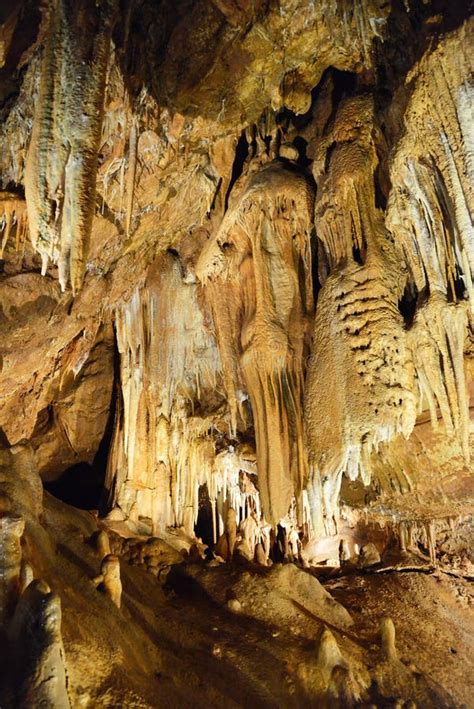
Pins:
x: 236, y: 317
x: 274, y: 238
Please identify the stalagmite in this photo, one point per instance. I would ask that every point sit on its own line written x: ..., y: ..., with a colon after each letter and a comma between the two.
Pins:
x: 109, y: 578
x: 329, y: 655
x: 13, y: 217
x: 102, y: 544
x: 60, y: 174
x: 431, y: 538
x: 387, y: 637
x: 260, y: 556
x: 369, y: 555
x: 230, y: 531
x: 27, y: 575
x: 344, y: 551
x: 39, y: 660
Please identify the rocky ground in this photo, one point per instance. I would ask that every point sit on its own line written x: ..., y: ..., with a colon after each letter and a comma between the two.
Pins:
x: 242, y: 635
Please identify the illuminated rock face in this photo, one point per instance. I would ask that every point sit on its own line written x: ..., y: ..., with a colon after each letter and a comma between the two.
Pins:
x: 430, y: 215
x: 236, y: 314
x: 360, y: 386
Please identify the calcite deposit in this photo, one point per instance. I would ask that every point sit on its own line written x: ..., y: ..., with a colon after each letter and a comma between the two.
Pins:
x: 236, y: 353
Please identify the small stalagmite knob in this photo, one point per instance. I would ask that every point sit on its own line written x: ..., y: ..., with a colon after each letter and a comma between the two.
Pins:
x: 26, y: 575
x: 111, y: 571
x: 289, y: 151
x: 102, y: 544
x: 369, y: 555
x: 260, y: 556
x: 329, y: 655
x: 222, y: 547
x: 110, y: 578
x: 387, y: 637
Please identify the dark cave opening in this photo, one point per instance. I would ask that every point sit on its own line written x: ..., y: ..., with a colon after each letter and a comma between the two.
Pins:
x: 203, y: 527
x: 241, y: 154
x: 82, y: 484
x: 409, y: 302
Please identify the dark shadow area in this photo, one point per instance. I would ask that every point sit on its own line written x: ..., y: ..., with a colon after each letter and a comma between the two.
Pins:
x: 82, y: 485
x: 409, y: 303
x: 203, y: 527
x: 241, y: 154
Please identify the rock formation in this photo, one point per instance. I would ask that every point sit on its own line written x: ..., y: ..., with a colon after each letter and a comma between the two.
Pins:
x: 236, y: 353
x: 35, y: 635
x: 109, y: 578
x: 60, y: 171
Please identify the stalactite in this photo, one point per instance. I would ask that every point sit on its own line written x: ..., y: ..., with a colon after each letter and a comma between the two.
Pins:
x: 430, y: 214
x: 437, y: 341
x: 61, y: 166
x: 161, y: 452
x: 132, y: 168
x: 430, y: 207
x: 263, y: 246
x: 13, y: 217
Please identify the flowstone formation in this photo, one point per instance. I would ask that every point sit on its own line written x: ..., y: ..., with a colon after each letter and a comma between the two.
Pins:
x: 360, y: 381
x: 430, y: 216
x: 236, y: 353
x: 262, y: 300
x: 60, y: 170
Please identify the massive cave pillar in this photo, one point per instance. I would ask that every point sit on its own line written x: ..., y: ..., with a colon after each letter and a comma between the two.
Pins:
x: 430, y: 213
x: 61, y: 167
x: 359, y: 389
x: 259, y: 266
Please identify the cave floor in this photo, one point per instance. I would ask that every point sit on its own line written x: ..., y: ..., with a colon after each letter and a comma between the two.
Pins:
x: 176, y: 646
